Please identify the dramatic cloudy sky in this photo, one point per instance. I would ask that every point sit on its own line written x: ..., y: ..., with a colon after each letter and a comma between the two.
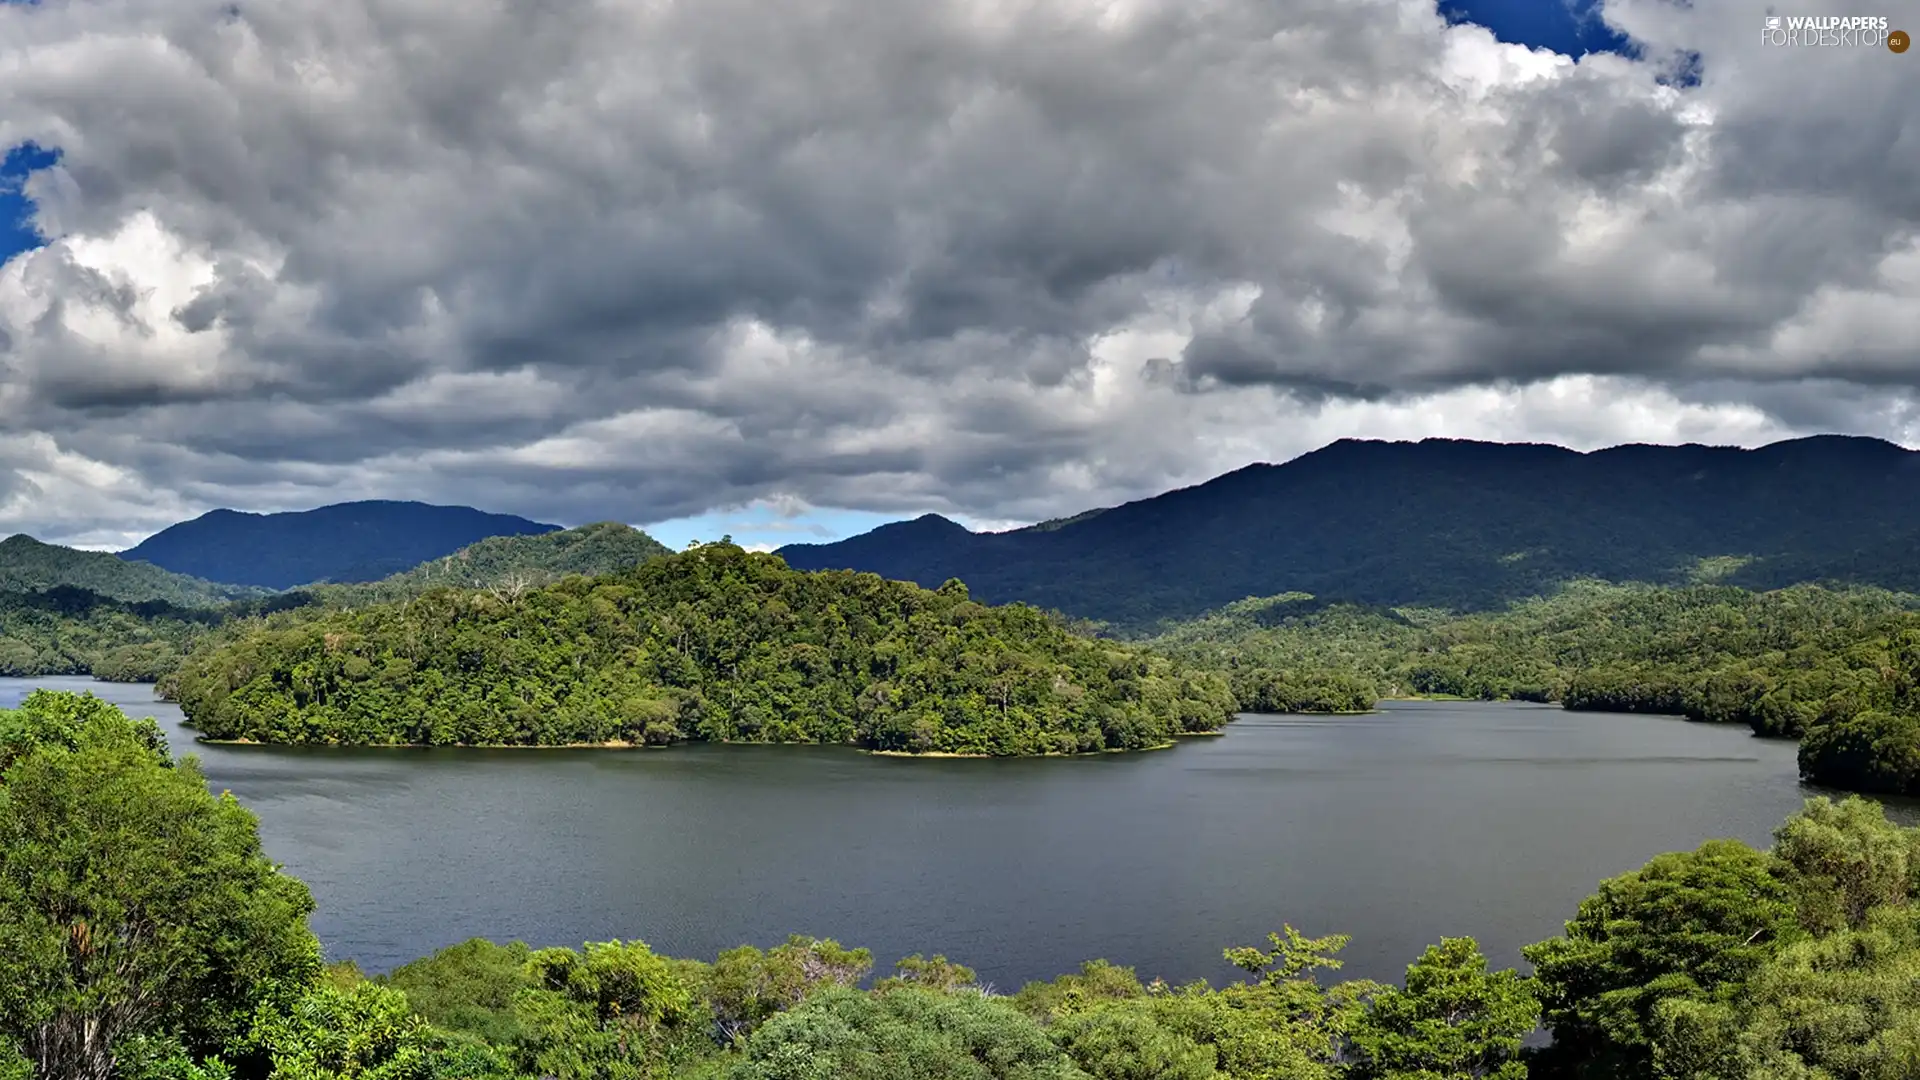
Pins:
x: 785, y: 268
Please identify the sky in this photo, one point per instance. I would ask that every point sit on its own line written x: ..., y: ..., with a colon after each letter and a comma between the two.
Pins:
x: 786, y: 271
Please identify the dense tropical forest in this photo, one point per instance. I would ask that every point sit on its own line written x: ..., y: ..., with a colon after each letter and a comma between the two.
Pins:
x: 147, y: 936
x: 1834, y: 667
x: 715, y: 643
x: 70, y: 631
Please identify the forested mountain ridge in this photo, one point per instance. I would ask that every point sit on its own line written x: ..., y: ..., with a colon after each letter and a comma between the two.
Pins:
x: 713, y: 644
x: 345, y: 542
x: 511, y: 563
x: 1440, y: 523
x: 29, y: 565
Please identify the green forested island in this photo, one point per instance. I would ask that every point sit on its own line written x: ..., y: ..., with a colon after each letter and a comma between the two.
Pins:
x: 147, y: 936
x: 713, y: 644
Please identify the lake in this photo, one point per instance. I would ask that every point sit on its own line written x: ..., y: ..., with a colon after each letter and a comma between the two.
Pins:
x: 1426, y: 819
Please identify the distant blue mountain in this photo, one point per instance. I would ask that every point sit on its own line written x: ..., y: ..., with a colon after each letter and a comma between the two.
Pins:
x: 355, y: 541
x: 1443, y: 523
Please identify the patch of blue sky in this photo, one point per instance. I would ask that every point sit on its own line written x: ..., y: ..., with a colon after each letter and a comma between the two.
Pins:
x: 763, y: 527
x: 1571, y: 27
x: 16, y: 210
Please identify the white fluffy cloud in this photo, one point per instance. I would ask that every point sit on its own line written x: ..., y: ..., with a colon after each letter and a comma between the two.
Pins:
x: 642, y: 259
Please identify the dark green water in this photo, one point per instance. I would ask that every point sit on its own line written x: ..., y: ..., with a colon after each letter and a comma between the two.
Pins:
x: 1425, y: 820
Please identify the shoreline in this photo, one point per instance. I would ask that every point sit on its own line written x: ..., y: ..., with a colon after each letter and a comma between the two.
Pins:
x: 1324, y: 712
x: 612, y: 744
x: 620, y: 744
x: 952, y: 755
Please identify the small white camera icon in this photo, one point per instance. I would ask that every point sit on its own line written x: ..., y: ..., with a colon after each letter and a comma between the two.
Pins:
x: 1773, y: 22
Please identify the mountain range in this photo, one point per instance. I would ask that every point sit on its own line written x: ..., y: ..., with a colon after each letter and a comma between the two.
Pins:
x: 32, y: 572
x: 345, y: 542
x: 1441, y: 523
x: 1437, y: 523
x: 70, y: 612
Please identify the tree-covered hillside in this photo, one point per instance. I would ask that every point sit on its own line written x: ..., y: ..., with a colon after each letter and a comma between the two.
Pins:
x: 510, y: 564
x: 713, y: 644
x: 69, y: 631
x: 1440, y: 523
x: 1584, y: 635
x: 1839, y: 667
x: 28, y: 565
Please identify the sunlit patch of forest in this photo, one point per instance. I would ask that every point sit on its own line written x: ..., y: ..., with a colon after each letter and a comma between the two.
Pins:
x: 715, y: 644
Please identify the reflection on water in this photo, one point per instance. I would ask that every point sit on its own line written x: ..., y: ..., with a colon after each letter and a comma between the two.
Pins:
x: 1426, y: 819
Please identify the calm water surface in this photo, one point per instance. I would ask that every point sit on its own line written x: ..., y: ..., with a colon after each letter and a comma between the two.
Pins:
x: 1427, y: 819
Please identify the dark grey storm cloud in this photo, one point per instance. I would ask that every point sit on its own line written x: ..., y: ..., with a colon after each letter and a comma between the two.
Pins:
x: 645, y: 259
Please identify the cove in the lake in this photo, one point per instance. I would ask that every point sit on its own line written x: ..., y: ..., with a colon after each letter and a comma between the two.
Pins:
x: 1424, y: 819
